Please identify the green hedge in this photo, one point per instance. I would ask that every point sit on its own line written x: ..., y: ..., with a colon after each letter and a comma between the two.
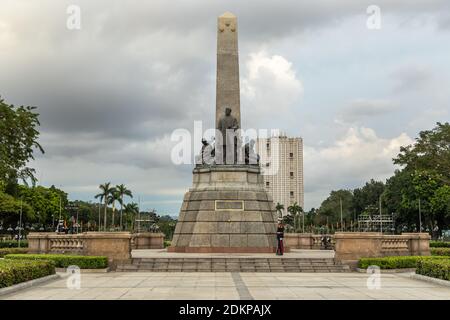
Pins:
x: 13, y: 244
x: 5, y: 251
x: 17, y: 271
x: 64, y: 261
x: 399, y: 262
x: 436, y: 268
x: 167, y: 243
x: 440, y: 244
x: 440, y: 252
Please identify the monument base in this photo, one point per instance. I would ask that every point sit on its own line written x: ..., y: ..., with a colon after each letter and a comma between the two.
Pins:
x: 226, y: 211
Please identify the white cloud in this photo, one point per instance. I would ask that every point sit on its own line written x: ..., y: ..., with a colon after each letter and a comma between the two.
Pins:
x: 352, y: 160
x: 269, y: 84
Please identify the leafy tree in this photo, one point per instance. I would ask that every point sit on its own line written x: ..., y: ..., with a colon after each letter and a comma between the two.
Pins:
x: 112, y: 198
x: 331, y: 207
x: 44, y: 201
x: 294, y: 210
x: 279, y: 207
x: 18, y: 139
x: 430, y: 152
x: 106, y: 191
x: 131, y: 210
x: 10, y: 210
x: 367, y: 197
x: 122, y: 192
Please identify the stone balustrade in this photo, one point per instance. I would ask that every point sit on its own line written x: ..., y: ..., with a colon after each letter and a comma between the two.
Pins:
x: 351, y: 246
x: 306, y: 241
x: 114, y: 245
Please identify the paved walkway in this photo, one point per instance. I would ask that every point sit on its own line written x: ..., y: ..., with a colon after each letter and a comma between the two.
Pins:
x: 164, y: 285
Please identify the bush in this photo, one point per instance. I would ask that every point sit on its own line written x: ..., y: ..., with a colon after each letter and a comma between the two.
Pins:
x: 439, y: 244
x: 17, y: 271
x: 440, y: 252
x: 5, y: 251
x: 398, y: 262
x: 167, y: 243
x: 13, y: 243
x: 64, y: 261
x: 436, y: 268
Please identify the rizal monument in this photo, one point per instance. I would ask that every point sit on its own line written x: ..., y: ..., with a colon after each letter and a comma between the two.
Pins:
x: 227, y: 209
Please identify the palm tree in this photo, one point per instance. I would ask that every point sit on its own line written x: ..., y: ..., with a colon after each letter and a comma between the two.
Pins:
x: 133, y: 209
x: 106, y: 190
x: 294, y: 209
x: 112, y: 198
x: 279, y: 207
x: 122, y: 191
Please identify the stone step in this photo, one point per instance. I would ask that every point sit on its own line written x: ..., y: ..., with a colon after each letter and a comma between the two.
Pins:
x: 239, y: 264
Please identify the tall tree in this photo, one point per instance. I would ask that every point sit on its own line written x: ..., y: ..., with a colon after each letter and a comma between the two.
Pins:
x: 368, y: 196
x: 331, y: 207
x: 112, y: 198
x: 294, y: 210
x: 106, y: 190
x: 430, y: 152
x: 279, y: 207
x: 131, y: 210
x: 18, y: 139
x: 122, y: 191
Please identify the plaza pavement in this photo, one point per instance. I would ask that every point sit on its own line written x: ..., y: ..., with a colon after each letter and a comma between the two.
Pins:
x: 231, y: 286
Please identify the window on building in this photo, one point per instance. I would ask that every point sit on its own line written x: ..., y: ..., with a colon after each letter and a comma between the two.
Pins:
x: 291, y: 174
x: 267, y: 164
x: 291, y: 155
x: 291, y: 193
x: 267, y: 183
x: 268, y: 145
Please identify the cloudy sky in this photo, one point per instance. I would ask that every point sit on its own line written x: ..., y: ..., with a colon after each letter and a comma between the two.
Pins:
x: 111, y: 93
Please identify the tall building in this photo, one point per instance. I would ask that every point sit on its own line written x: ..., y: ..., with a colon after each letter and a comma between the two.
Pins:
x: 282, y: 167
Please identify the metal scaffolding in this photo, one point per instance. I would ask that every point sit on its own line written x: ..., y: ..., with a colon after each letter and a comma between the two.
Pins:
x: 376, y: 223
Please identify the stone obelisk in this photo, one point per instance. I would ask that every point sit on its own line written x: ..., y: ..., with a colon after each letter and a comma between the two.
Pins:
x: 227, y: 209
x: 227, y: 84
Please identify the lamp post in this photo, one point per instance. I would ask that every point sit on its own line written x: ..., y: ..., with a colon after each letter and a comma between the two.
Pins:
x: 420, y: 218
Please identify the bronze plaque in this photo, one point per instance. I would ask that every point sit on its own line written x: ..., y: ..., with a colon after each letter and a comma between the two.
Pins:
x: 234, y: 205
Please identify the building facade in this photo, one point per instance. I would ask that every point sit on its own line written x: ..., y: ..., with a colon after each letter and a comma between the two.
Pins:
x: 282, y: 168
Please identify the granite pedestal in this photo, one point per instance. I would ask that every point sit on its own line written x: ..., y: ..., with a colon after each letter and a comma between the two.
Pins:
x: 227, y: 210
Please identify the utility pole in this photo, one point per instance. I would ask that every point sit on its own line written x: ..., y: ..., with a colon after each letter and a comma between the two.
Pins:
x: 340, y: 202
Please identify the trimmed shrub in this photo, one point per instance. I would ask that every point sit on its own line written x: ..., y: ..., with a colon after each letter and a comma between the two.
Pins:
x: 13, y: 243
x: 64, y: 261
x: 17, y: 271
x: 440, y: 252
x: 5, y: 251
x: 440, y: 244
x: 398, y: 262
x: 167, y: 243
x: 436, y: 268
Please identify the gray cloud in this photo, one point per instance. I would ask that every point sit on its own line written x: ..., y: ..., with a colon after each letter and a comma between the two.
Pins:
x: 110, y: 94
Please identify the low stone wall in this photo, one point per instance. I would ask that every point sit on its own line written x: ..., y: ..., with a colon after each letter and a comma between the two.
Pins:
x: 147, y: 240
x: 306, y: 241
x: 351, y: 246
x: 114, y: 245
